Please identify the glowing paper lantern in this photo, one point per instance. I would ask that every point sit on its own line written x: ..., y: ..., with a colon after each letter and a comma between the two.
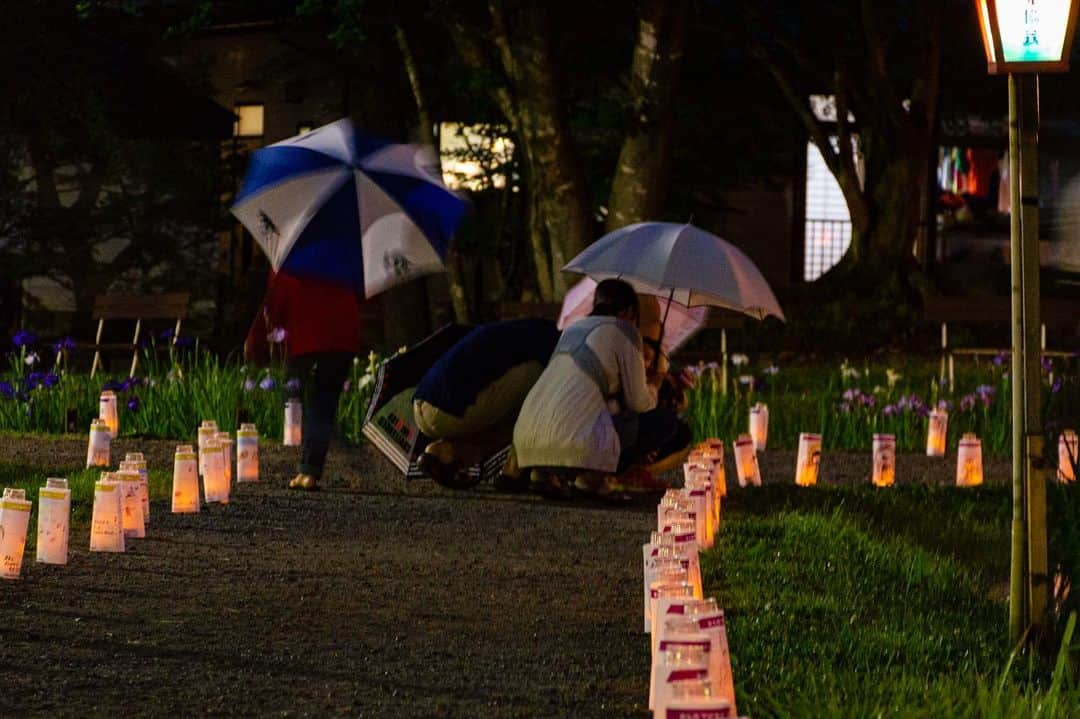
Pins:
x: 969, y: 471
x: 695, y: 699
x: 662, y: 574
x: 185, y: 487
x: 14, y: 521
x: 936, y: 433
x: 679, y: 663
x: 108, y: 411
x: 226, y: 443
x: 884, y: 460
x: 759, y: 425
x: 54, y: 521
x: 1067, y: 456
x: 247, y: 454
x: 215, y: 485
x: 207, y: 433
x: 808, y: 460
x: 97, y: 450
x: 294, y: 417
x: 131, y: 502
x: 1027, y: 36
x: 746, y: 465
x: 139, y: 462
x: 106, y: 524
x: 675, y: 632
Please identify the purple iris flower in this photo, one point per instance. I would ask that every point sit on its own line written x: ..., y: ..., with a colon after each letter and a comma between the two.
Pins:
x: 1001, y: 359
x: 967, y: 403
x: 293, y: 385
x: 64, y: 345
x: 23, y: 338
x: 267, y: 383
x: 1047, y: 364
x: 1056, y: 387
x: 6, y: 390
x: 133, y: 404
x: 249, y: 385
x: 50, y: 380
x: 889, y: 410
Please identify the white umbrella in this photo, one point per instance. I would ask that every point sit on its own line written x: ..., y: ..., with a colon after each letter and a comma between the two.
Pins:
x: 682, y: 263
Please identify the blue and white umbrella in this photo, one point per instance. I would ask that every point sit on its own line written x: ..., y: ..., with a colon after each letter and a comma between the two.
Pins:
x: 339, y: 206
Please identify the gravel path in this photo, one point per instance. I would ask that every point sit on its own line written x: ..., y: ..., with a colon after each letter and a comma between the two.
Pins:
x: 371, y: 598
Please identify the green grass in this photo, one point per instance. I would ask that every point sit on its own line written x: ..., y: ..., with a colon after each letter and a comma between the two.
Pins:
x: 856, y: 602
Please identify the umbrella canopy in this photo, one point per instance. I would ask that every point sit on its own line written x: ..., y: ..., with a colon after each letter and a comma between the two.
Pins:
x: 681, y: 322
x: 339, y: 206
x: 681, y: 262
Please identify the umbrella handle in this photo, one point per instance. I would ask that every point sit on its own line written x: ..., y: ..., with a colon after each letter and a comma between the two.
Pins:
x: 660, y: 340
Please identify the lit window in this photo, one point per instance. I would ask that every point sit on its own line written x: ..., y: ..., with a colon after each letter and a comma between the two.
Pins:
x: 474, y: 157
x: 828, y: 224
x: 249, y: 121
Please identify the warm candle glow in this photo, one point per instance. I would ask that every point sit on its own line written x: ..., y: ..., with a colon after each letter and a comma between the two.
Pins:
x: 247, y: 454
x: 809, y: 458
x: 108, y: 411
x: 14, y: 521
x: 54, y: 521
x: 106, y: 525
x: 294, y: 418
x: 185, y: 487
x: 884, y: 448
x: 759, y: 425
x: 936, y: 433
x: 1067, y: 456
x: 97, y: 450
x: 969, y: 472
x: 746, y: 465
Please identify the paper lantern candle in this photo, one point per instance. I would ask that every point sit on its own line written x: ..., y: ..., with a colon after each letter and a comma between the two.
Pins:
x: 106, y: 523
x: 247, y: 454
x: 185, y: 488
x: 746, y: 465
x: 14, y: 521
x: 54, y: 521
x: 808, y: 460
x: 969, y: 472
x: 884, y: 460
x: 139, y: 462
x: 695, y: 699
x: 226, y: 443
x: 294, y: 417
x: 215, y: 485
x: 936, y: 433
x: 207, y: 433
x: 109, y: 412
x: 131, y: 502
x: 97, y: 450
x: 1067, y: 456
x: 759, y: 425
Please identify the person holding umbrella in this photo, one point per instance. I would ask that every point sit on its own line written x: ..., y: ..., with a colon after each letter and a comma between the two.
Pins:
x: 341, y: 216
x: 592, y: 413
x: 318, y: 323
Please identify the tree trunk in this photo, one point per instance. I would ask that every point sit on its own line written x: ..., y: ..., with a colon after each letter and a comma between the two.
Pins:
x: 426, y: 135
x: 639, y: 187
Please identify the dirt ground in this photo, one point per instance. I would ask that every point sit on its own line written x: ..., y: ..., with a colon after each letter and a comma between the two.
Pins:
x: 371, y: 598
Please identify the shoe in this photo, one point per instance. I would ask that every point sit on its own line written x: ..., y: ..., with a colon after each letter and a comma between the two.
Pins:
x: 599, y: 486
x: 551, y: 483
x: 443, y: 474
x: 304, y: 481
x: 638, y: 480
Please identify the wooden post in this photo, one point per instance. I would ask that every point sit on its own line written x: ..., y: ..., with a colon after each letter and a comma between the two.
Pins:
x: 1028, y: 585
x: 97, y: 348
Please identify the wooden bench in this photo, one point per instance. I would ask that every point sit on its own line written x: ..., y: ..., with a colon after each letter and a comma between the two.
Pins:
x: 171, y: 306
x: 1057, y: 314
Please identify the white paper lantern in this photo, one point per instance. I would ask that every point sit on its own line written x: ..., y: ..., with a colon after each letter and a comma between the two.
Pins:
x: 969, y: 470
x: 108, y: 411
x: 185, y: 487
x: 294, y: 419
x: 936, y: 433
x: 139, y: 462
x: 759, y: 425
x: 207, y: 433
x: 14, y: 521
x: 884, y: 460
x: 247, y: 454
x: 106, y: 524
x: 678, y: 662
x: 54, y: 521
x: 1067, y: 456
x: 131, y: 502
x: 215, y: 485
x: 97, y: 450
x: 746, y: 464
x: 226, y: 443
x: 808, y: 459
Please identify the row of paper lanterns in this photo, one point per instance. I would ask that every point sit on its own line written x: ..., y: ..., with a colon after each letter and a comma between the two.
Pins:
x: 121, y: 508
x: 969, y: 465
x: 690, y: 669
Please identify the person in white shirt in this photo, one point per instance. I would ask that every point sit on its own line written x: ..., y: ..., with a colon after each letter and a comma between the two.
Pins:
x: 593, y: 410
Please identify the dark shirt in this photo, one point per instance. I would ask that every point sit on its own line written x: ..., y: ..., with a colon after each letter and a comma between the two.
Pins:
x: 483, y: 356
